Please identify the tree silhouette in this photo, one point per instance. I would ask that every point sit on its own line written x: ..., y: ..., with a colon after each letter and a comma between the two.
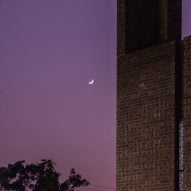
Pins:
x: 37, y: 177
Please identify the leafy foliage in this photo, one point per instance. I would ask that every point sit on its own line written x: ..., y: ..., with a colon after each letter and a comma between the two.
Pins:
x: 37, y: 177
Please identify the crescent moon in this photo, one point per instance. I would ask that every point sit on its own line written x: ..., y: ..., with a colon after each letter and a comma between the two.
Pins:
x: 91, y: 82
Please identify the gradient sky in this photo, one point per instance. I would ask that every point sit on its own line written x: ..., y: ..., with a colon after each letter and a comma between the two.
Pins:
x: 49, y: 50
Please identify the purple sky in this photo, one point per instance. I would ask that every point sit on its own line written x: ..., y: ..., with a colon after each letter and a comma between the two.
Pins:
x: 49, y: 50
x: 186, y: 18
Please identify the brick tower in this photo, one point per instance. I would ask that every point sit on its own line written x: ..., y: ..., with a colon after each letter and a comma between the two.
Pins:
x: 153, y: 97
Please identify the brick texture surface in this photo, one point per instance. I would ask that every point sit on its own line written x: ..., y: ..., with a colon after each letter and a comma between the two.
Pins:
x: 146, y: 120
x: 187, y: 113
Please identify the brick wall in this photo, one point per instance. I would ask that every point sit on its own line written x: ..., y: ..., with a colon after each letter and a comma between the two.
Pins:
x: 174, y: 19
x: 153, y: 94
x: 146, y: 119
x: 144, y: 23
x: 121, y: 40
x: 187, y: 112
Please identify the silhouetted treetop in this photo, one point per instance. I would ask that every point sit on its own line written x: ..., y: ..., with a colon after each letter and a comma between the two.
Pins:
x: 41, y: 176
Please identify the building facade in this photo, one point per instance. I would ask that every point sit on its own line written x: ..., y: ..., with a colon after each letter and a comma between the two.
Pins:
x: 153, y: 97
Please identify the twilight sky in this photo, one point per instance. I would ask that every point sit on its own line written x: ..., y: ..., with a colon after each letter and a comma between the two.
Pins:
x: 49, y: 50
